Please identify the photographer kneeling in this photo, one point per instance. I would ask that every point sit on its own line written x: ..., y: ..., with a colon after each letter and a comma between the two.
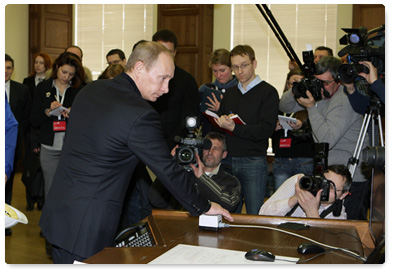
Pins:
x: 291, y: 200
x: 214, y: 182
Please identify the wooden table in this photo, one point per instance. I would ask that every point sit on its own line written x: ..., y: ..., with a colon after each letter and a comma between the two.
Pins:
x: 171, y: 228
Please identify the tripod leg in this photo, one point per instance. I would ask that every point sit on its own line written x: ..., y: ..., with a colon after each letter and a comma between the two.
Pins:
x: 353, y: 162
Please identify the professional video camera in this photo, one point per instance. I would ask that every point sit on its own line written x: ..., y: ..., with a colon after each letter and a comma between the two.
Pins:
x: 313, y: 183
x: 361, y: 48
x: 309, y: 82
x: 189, y: 146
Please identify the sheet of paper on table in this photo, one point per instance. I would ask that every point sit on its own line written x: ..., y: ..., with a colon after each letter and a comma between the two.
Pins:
x: 189, y: 254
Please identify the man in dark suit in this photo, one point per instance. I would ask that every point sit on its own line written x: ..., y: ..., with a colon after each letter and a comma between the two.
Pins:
x: 20, y: 102
x: 183, y: 98
x: 111, y: 128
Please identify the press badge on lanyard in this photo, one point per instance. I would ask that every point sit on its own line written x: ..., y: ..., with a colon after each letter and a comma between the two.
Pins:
x: 59, y: 125
x: 285, y: 142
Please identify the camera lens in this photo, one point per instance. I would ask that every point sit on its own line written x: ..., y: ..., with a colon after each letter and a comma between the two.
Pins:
x: 349, y: 72
x: 186, y: 155
x: 374, y: 156
x: 299, y: 88
x: 307, y: 183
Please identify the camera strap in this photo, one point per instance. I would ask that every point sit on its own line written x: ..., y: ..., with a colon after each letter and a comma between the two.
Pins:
x: 289, y: 213
x: 336, y: 208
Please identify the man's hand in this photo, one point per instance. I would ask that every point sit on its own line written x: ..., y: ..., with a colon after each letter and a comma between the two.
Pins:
x: 217, y: 209
x: 306, y: 102
x: 199, y: 170
x: 308, y: 201
x: 173, y: 151
x: 371, y: 77
x: 297, y: 125
x: 226, y: 122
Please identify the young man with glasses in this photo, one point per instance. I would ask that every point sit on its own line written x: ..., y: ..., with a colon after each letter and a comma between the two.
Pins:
x: 256, y: 102
x: 116, y: 56
x: 291, y: 200
x: 334, y: 121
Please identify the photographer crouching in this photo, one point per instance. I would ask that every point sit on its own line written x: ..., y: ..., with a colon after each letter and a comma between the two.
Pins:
x: 311, y: 196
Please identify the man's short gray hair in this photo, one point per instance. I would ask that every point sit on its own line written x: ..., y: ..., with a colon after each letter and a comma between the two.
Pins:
x: 146, y: 52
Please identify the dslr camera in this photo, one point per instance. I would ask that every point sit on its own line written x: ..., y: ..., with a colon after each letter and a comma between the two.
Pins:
x: 310, y: 82
x: 313, y: 183
x: 360, y: 48
x: 189, y: 146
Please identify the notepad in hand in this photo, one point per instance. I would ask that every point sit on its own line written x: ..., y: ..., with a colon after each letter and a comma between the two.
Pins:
x: 58, y: 111
x: 211, y: 116
x: 284, y: 122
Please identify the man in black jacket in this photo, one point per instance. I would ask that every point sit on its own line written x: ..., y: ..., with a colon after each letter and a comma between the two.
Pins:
x: 256, y: 102
x: 111, y: 128
x: 183, y: 98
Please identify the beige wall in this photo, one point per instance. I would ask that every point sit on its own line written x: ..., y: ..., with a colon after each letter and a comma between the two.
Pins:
x: 222, y: 23
x: 17, y: 31
x: 17, y: 38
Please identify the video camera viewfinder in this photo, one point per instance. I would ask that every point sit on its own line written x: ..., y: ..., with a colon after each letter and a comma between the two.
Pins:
x: 361, y: 48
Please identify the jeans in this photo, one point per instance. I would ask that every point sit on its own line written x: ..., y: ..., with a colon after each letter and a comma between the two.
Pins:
x: 252, y: 174
x: 284, y: 168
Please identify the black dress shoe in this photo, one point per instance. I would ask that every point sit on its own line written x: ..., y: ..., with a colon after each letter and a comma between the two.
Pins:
x: 29, y: 207
x: 40, y: 206
x: 8, y: 232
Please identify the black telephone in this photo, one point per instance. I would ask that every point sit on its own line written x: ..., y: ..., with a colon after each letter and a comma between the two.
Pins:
x: 137, y: 235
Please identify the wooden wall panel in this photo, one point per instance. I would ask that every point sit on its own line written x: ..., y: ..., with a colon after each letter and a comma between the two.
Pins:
x: 50, y: 29
x: 368, y: 15
x: 193, y: 25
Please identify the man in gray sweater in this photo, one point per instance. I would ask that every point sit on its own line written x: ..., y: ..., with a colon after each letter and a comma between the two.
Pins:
x: 334, y: 121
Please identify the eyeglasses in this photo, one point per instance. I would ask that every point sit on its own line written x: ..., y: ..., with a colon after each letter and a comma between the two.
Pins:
x: 326, y: 83
x: 242, y: 66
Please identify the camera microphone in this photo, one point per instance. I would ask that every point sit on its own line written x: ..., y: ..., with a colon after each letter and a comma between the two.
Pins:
x: 177, y: 139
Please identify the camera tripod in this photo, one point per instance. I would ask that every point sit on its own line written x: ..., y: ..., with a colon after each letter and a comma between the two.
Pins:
x: 372, y: 112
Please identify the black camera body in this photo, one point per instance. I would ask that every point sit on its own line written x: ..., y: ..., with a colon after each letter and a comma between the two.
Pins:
x: 309, y: 82
x: 189, y: 146
x: 186, y: 152
x: 313, y: 84
x: 313, y: 183
x: 360, y: 48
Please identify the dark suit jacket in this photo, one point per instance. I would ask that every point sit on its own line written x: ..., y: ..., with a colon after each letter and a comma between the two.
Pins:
x: 31, y: 83
x: 111, y: 128
x: 181, y: 101
x: 20, y: 103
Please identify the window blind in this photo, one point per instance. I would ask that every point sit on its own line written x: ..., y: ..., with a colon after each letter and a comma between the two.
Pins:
x: 100, y: 28
x: 302, y: 24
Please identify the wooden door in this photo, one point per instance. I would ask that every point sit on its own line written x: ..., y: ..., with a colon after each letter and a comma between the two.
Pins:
x: 368, y: 15
x: 50, y: 29
x: 193, y: 25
